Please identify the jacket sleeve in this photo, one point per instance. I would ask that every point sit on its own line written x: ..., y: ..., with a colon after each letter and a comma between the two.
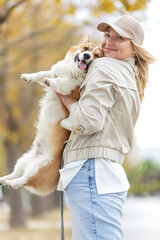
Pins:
x: 87, y: 116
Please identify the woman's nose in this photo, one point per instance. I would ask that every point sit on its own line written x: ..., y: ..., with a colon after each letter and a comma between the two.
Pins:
x: 109, y: 40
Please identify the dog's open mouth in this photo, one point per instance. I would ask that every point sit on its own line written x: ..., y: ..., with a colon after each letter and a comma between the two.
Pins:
x: 81, y: 63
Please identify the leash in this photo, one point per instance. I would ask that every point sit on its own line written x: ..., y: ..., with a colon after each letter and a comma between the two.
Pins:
x: 61, y: 206
x: 61, y: 202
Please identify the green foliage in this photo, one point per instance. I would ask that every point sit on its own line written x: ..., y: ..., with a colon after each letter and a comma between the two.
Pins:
x: 145, y: 178
x: 150, y: 166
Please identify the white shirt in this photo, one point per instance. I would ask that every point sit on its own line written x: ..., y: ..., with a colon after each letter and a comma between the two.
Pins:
x: 109, y: 175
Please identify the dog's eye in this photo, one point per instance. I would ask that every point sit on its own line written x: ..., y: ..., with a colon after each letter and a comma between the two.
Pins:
x: 96, y: 55
x: 86, y: 48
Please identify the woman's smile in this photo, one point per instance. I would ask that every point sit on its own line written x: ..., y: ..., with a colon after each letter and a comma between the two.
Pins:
x: 115, y: 46
x: 109, y: 49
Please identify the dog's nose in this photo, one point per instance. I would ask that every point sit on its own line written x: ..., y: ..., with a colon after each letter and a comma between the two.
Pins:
x: 87, y: 56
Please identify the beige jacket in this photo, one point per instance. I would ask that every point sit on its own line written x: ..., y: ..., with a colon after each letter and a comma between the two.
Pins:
x: 105, y: 116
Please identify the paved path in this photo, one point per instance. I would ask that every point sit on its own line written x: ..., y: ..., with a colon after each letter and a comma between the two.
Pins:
x: 141, y: 219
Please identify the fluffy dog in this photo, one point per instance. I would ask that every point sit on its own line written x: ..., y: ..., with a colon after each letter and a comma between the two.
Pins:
x: 38, y: 169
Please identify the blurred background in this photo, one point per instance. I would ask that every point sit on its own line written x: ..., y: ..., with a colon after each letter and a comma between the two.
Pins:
x: 35, y: 34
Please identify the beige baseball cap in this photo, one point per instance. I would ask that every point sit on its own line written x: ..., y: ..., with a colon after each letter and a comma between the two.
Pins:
x: 126, y: 26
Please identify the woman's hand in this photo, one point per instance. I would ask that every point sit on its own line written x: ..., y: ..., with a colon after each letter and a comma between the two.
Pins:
x: 66, y: 100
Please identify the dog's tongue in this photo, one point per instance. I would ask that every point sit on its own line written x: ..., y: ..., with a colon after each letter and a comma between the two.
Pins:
x: 82, y: 65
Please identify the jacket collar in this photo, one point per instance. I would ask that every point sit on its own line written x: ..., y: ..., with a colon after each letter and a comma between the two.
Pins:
x: 131, y: 62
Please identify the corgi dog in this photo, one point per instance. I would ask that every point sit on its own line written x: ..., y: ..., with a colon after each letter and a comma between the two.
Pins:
x: 38, y: 169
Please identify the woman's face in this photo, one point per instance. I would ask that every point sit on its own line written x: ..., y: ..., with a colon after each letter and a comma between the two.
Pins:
x: 115, y: 46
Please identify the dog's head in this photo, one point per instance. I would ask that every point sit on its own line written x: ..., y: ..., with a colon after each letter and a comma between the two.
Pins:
x: 81, y: 55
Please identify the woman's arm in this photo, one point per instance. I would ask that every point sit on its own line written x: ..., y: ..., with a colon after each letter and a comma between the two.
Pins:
x: 87, y: 116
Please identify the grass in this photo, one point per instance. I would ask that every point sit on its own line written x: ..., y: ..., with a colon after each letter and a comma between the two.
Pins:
x: 46, y: 227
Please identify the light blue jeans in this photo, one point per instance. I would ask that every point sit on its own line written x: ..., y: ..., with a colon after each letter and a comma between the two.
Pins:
x: 94, y: 217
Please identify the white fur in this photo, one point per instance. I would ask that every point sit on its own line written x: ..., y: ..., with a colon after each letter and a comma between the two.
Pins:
x: 64, y: 77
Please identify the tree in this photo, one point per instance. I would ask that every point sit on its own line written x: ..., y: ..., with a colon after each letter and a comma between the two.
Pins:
x: 18, y: 103
x: 7, y: 7
x: 35, y: 35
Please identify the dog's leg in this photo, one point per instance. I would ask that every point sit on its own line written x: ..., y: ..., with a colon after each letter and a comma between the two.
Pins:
x: 19, y: 167
x: 30, y: 171
x: 16, y: 183
x: 37, y: 77
x: 62, y: 85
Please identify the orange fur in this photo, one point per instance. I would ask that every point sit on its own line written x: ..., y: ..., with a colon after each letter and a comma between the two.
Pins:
x: 90, y: 47
x: 75, y: 94
x: 49, y: 174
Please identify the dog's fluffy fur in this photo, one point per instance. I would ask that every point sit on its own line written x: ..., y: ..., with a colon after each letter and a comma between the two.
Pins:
x: 38, y: 169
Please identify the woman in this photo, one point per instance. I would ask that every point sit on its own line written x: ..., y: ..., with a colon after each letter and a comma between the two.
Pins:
x: 104, y: 118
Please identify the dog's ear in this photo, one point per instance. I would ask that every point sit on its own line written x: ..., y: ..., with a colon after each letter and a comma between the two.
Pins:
x: 84, y: 39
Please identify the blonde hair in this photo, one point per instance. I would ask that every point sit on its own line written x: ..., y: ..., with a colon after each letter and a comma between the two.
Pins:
x: 142, y: 60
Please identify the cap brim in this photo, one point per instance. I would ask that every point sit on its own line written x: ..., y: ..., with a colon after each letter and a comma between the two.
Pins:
x: 137, y: 44
x: 103, y: 27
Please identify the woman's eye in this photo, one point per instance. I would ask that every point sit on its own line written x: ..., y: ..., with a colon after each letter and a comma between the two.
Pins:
x: 119, y: 37
x: 107, y: 35
x: 86, y: 48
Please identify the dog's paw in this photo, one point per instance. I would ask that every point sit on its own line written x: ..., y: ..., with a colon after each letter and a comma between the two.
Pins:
x: 27, y: 77
x: 2, y: 180
x: 47, y: 81
x: 4, y: 183
x: 11, y: 184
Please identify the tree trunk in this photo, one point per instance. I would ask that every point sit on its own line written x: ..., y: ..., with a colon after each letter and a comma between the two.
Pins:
x: 12, y: 150
x: 17, y: 217
x: 43, y: 204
